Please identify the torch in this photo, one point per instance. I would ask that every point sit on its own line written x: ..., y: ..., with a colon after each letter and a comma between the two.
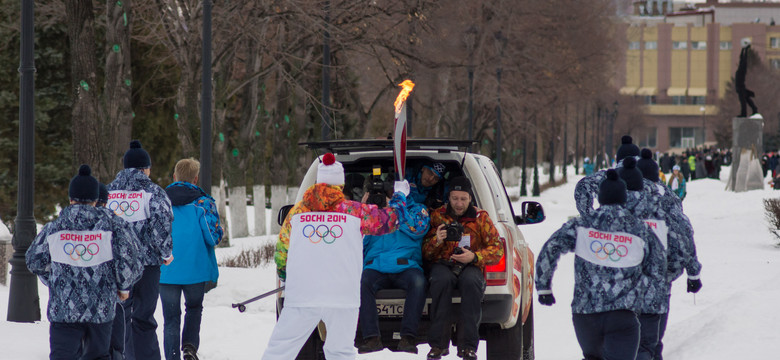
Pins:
x: 399, y: 133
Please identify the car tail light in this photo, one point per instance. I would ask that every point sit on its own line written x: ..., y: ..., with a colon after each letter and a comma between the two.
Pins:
x: 496, y: 274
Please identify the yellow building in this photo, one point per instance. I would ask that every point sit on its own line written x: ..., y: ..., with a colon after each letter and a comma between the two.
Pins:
x: 679, y: 63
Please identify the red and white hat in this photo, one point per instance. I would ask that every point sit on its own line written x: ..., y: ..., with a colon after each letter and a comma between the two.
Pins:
x: 330, y: 171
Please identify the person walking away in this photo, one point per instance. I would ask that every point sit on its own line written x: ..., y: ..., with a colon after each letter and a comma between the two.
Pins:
x: 588, y: 187
x: 458, y: 262
x: 321, y: 268
x: 394, y: 261
x: 142, y: 203
x: 88, y: 264
x: 195, y: 232
x: 587, y: 166
x: 606, y: 289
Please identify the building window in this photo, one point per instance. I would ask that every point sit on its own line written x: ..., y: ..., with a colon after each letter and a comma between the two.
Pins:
x: 647, y: 138
x: 774, y: 63
x: 679, y: 45
x: 774, y: 43
x: 698, y: 100
x: 699, y: 45
x: 678, y: 100
x: 649, y: 99
x: 651, y: 45
x: 725, y: 45
x: 633, y: 45
x: 682, y: 137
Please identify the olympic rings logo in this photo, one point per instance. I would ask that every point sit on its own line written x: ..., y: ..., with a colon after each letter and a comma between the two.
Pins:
x: 322, y: 233
x: 81, y: 251
x: 124, y: 207
x: 608, y: 250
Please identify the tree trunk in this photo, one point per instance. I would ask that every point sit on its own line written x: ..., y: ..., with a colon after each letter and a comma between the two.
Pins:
x: 87, y: 113
x: 117, y: 126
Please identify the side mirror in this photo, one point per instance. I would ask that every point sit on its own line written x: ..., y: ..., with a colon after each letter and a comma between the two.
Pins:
x: 533, y: 213
x: 283, y: 214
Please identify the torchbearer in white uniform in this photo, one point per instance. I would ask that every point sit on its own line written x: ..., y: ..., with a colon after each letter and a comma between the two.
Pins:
x: 319, y: 255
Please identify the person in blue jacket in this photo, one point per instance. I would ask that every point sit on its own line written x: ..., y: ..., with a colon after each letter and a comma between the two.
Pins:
x: 196, y: 230
x: 88, y: 265
x: 135, y: 198
x: 394, y: 260
x: 426, y: 185
x: 676, y: 234
x: 616, y: 256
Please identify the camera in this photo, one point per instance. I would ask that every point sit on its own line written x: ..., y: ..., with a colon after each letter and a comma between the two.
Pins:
x: 454, y: 231
x: 457, y: 267
x: 377, y: 189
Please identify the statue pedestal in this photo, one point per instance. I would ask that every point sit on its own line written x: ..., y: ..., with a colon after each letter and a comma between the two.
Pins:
x: 748, y: 145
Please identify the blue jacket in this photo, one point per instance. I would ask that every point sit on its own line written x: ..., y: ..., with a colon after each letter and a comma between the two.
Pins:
x: 153, y: 232
x: 196, y: 230
x: 599, y: 288
x: 85, y: 266
x: 399, y: 250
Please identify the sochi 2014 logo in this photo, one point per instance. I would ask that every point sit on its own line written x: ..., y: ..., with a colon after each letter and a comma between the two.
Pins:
x: 608, y: 250
x: 126, y: 208
x: 81, y: 251
x: 322, y: 233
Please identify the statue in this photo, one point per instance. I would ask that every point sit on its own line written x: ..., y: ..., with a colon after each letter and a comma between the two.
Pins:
x: 744, y: 93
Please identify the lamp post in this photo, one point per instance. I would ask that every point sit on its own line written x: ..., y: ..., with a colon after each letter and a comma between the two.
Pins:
x: 470, y: 39
x: 326, y: 76
x: 205, y: 104
x: 703, y: 125
x: 23, y: 302
x: 500, y: 45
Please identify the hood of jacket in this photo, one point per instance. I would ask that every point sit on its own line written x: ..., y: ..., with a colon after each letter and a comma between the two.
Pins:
x: 322, y: 197
x: 183, y: 193
x: 130, y: 179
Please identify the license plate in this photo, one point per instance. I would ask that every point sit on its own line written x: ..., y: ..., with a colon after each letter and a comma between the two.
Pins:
x: 395, y: 309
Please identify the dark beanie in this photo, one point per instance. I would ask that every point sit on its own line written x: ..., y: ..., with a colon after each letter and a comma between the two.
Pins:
x: 102, y: 194
x: 647, y: 165
x: 630, y: 174
x: 137, y: 157
x: 612, y: 190
x: 460, y: 183
x: 83, y: 187
x: 626, y: 149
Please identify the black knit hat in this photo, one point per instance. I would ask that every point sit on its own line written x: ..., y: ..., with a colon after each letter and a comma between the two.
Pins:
x: 102, y: 194
x: 460, y: 183
x: 630, y: 174
x: 83, y: 187
x: 137, y: 157
x: 626, y: 149
x: 612, y: 190
x: 647, y: 165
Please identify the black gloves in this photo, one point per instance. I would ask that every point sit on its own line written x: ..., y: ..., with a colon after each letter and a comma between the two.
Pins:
x: 547, y: 299
x: 694, y: 285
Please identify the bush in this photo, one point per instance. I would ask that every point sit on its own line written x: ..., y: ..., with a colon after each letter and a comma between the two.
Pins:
x: 772, y: 208
x: 252, y: 257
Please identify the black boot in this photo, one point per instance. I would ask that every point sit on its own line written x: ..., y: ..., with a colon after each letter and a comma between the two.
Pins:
x: 408, y: 344
x: 371, y: 344
x: 437, y: 353
x: 189, y: 352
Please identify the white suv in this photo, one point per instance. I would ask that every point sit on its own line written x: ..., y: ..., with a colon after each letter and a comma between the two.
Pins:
x: 507, y: 314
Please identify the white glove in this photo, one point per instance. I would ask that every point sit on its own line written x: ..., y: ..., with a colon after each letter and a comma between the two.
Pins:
x: 401, y: 187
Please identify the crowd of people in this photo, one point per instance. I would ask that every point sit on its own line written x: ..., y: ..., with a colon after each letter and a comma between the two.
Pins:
x: 109, y: 256
x: 629, y: 251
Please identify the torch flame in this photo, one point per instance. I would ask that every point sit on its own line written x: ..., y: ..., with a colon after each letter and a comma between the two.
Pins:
x: 407, y: 85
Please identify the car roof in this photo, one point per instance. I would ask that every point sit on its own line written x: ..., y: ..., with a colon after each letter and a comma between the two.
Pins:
x: 344, y: 147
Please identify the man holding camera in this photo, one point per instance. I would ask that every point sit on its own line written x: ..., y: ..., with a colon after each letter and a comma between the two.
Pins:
x: 393, y: 261
x: 462, y: 240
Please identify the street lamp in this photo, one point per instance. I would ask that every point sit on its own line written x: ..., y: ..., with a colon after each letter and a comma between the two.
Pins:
x: 470, y: 38
x: 500, y: 45
x: 23, y: 303
x: 703, y: 125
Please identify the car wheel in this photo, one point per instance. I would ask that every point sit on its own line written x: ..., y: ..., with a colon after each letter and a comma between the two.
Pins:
x: 505, y: 343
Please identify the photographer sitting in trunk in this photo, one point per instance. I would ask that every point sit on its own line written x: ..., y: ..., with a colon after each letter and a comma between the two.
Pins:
x: 392, y: 261
x: 462, y: 240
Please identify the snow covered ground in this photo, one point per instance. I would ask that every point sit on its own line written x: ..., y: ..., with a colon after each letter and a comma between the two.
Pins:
x: 734, y: 316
